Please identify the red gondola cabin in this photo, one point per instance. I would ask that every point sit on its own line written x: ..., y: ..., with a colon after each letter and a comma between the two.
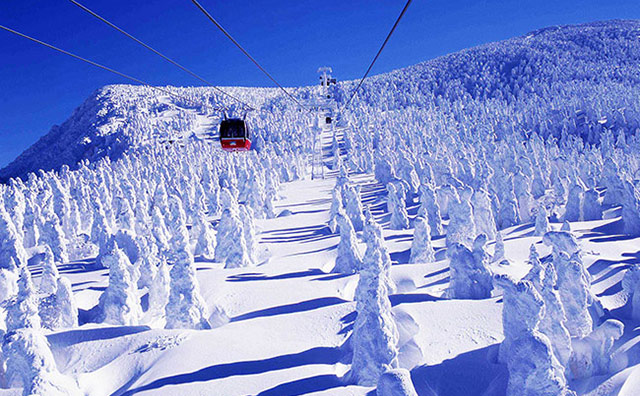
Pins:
x: 234, y: 135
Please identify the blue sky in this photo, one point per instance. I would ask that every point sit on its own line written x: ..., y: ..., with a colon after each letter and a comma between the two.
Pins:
x: 290, y: 38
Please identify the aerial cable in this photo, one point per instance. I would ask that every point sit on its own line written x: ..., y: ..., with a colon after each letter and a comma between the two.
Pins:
x: 404, y: 10
x: 84, y: 8
x: 222, y: 29
x: 96, y: 64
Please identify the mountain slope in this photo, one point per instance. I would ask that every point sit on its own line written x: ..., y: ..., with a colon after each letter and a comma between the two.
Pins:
x: 580, y: 78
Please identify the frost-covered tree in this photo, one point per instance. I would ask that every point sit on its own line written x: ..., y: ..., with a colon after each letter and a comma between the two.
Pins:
x: 147, y: 261
x: 159, y: 230
x: 429, y: 209
x: 631, y: 286
x: 372, y: 236
x: 573, y: 282
x: 395, y: 382
x: 591, y: 208
x: 593, y: 353
x: 396, y: 206
x: 483, y: 214
x: 119, y: 303
x: 353, y: 206
x: 249, y: 233
x: 631, y: 209
x: 50, y: 275
x: 470, y: 277
x: 231, y: 247
x: 31, y: 224
x: 574, y: 203
x: 100, y: 231
x: 461, y: 228
x: 59, y: 310
x: 11, y: 245
x: 228, y: 200
x: 375, y: 335
x: 542, y: 221
x: 8, y: 282
x: 421, y: 249
x: 348, y: 260
x: 553, y: 320
x: 15, y: 205
x: 205, y: 237
x: 158, y: 295
x: 186, y: 308
x: 51, y: 234
x: 22, y: 310
x: 533, y: 370
x: 522, y: 311
x: 533, y: 367
x: 498, y: 254
x: 29, y: 360
x: 336, y: 207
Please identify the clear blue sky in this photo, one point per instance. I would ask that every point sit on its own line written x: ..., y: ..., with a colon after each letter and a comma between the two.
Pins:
x: 291, y: 38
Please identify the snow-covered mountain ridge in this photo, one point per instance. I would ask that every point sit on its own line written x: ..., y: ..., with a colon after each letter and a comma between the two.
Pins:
x: 581, y: 79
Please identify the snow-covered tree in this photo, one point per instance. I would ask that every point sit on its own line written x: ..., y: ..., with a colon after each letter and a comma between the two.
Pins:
x: 59, y: 310
x: 249, y: 233
x: 593, y: 353
x: 498, y: 254
x: 186, y: 308
x: 372, y: 236
x: 573, y: 282
x: 159, y: 230
x: 574, y: 203
x: 11, y: 246
x: 336, y: 207
x: 158, y: 295
x: 631, y: 286
x: 470, y: 277
x: 51, y: 234
x: 353, y: 206
x: 483, y: 214
x: 29, y: 360
x: 396, y: 206
x: 375, y: 335
x: 395, y: 382
x: 591, y: 208
x: 119, y: 302
x: 231, y: 247
x: 421, y: 249
x: 348, y: 260
x: 533, y: 368
x: 22, y: 310
x: 429, y: 209
x: 461, y: 228
x: 50, y: 275
x: 147, y: 261
x: 542, y: 221
x: 205, y: 237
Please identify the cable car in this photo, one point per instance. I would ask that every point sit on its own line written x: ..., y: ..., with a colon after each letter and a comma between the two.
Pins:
x: 235, y: 135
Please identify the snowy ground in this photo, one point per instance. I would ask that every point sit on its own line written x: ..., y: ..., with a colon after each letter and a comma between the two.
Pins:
x: 289, y: 316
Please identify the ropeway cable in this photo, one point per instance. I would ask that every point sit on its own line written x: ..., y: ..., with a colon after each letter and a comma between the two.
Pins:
x: 223, y: 30
x: 404, y: 10
x: 35, y: 40
x: 84, y: 8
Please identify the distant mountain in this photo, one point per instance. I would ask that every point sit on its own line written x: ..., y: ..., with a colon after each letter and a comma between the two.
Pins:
x: 579, y: 79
